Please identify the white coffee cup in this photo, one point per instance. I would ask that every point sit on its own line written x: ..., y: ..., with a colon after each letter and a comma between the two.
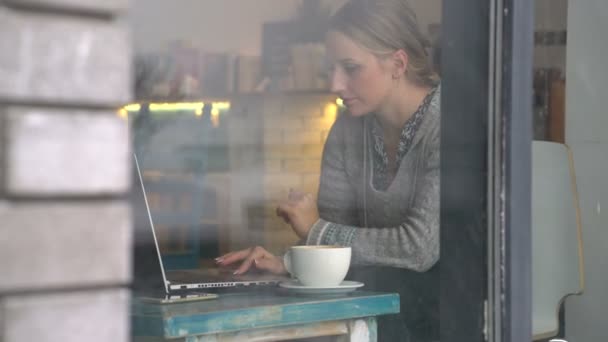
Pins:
x: 318, y: 266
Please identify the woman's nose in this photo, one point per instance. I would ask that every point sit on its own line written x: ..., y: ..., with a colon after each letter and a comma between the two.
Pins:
x: 338, y: 83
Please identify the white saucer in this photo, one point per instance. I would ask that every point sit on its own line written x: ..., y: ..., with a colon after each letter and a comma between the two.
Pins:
x: 346, y: 286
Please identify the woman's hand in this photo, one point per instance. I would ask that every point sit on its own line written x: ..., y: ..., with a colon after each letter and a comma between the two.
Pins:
x: 300, y: 211
x: 256, y: 257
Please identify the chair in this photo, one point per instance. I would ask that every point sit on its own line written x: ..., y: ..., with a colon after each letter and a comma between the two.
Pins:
x: 557, y: 254
x: 176, y: 209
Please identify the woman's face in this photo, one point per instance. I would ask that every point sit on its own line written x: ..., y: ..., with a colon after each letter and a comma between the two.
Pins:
x: 359, y: 77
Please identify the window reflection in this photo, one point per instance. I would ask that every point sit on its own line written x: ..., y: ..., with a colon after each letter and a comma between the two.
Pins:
x: 344, y: 126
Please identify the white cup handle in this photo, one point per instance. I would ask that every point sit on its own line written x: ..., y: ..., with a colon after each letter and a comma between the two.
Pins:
x: 287, y: 262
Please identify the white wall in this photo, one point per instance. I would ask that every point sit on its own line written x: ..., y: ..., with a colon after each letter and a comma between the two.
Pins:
x: 214, y: 25
x: 224, y: 25
x: 587, y: 134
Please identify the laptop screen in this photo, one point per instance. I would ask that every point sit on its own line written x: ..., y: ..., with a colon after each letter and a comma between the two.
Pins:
x: 147, y: 271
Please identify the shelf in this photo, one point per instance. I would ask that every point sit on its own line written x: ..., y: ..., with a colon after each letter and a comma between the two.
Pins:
x: 231, y: 96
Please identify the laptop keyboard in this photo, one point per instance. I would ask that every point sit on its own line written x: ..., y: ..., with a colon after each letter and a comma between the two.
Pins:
x: 216, y: 276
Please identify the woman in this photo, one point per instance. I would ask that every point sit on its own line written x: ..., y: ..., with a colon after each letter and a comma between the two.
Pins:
x: 379, y: 187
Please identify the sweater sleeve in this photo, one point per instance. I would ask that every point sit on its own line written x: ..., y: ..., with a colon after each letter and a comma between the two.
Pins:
x: 414, y: 244
x: 337, y: 201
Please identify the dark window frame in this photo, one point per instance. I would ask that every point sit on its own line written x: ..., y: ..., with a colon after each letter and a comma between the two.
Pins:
x: 487, y: 54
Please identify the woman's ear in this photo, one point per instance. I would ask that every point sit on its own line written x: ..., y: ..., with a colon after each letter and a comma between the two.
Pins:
x: 400, y: 61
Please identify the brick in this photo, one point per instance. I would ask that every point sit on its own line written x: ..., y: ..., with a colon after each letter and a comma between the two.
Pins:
x: 307, y: 106
x: 310, y: 183
x: 319, y: 124
x: 273, y: 137
x: 330, y: 112
x: 52, y: 152
x: 273, y: 106
x: 312, y: 151
x: 63, y: 245
x: 276, y: 224
x: 324, y: 135
x: 273, y: 165
x: 63, y: 59
x: 251, y: 238
x: 270, y: 211
x: 301, y: 165
x: 276, y: 193
x: 312, y: 110
x: 302, y: 137
x: 93, y: 316
x: 89, y: 6
x: 282, y: 181
x: 282, y: 151
x: 283, y: 123
x: 244, y: 131
x: 279, y: 240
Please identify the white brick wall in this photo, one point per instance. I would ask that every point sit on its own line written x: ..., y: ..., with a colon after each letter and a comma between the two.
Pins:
x: 92, y: 316
x: 294, y: 129
x: 65, y: 232
x: 92, y: 6
x: 69, y: 244
x: 63, y: 59
x: 58, y: 152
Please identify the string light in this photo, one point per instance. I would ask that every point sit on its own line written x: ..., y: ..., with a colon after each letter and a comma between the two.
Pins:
x: 123, y: 113
x: 196, y: 107
x: 175, y: 107
x: 135, y: 107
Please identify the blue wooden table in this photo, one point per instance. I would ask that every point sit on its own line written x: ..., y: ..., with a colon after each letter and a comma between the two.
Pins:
x: 264, y: 316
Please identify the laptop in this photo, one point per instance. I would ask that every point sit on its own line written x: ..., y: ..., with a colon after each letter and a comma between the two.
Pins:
x: 151, y: 276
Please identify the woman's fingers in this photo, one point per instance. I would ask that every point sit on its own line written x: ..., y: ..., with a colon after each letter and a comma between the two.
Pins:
x: 282, y: 215
x: 233, y: 257
x: 272, y: 265
x: 285, y: 210
x: 295, y: 195
x: 258, y: 256
x: 256, y: 253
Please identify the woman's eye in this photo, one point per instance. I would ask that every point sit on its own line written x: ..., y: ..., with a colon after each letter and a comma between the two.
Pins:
x: 351, y: 68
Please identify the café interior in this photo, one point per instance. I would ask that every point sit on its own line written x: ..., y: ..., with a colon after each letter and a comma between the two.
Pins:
x: 230, y: 109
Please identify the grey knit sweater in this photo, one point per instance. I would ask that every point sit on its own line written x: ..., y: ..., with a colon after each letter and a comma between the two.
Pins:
x: 398, y: 227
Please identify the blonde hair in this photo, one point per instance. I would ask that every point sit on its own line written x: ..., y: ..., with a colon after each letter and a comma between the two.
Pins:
x: 386, y: 26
